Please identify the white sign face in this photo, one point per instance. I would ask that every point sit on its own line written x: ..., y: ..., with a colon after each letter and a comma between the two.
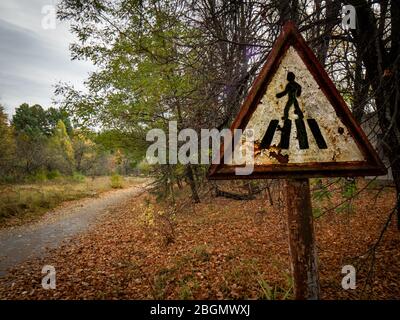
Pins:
x: 295, y: 123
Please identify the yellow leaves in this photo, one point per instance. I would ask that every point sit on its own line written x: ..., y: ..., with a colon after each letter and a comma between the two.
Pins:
x: 147, y: 217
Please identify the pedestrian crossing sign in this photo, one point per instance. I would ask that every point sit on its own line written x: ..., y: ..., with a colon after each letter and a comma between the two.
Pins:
x: 300, y: 124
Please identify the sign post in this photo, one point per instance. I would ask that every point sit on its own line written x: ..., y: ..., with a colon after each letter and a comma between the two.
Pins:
x: 301, y: 239
x: 301, y: 128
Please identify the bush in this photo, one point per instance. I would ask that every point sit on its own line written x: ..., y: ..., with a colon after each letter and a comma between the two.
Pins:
x: 8, y: 179
x: 78, y: 177
x: 53, y: 174
x: 39, y: 176
x: 144, y: 168
x: 116, y: 181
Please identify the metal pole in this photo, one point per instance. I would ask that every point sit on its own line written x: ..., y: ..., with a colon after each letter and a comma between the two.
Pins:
x: 301, y: 240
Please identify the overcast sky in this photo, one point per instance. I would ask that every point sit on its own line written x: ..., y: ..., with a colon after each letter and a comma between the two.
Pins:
x: 32, y: 58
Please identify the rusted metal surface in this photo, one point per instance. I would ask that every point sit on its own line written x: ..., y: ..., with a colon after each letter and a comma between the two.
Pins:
x: 301, y: 240
x: 316, y: 136
x: 310, y: 170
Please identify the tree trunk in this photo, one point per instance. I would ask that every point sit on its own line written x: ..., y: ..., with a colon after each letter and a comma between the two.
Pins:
x: 388, y: 105
x: 192, y: 183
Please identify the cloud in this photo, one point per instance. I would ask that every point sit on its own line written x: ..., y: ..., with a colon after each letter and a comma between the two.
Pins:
x: 33, y: 59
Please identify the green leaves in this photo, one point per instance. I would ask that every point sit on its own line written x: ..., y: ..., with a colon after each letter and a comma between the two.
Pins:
x: 140, y: 81
x: 35, y: 121
x: 6, y: 141
x: 349, y: 189
x: 322, y: 194
x: 31, y: 120
x: 62, y: 142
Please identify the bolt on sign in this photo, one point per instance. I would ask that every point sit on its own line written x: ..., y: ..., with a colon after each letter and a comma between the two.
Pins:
x: 301, y: 125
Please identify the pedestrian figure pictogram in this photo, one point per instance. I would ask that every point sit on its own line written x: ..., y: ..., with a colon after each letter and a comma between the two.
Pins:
x: 293, y: 90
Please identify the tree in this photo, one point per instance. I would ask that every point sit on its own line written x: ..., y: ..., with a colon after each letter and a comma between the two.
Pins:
x: 31, y: 153
x: 41, y: 139
x: 54, y: 115
x: 35, y: 121
x: 31, y: 132
x: 377, y: 41
x: 61, y: 152
x: 31, y: 120
x: 84, y: 152
x: 7, y: 143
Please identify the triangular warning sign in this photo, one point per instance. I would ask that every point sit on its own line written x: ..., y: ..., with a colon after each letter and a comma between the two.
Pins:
x: 301, y: 126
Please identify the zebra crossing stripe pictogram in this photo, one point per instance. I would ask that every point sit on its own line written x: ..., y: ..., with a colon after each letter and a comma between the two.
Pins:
x: 302, y: 136
x: 312, y: 123
x: 269, y: 135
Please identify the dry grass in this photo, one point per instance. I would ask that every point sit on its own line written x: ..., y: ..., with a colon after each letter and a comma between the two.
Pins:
x: 27, y: 202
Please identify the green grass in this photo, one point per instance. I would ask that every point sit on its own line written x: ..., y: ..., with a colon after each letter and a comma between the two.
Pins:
x: 21, y: 203
x: 269, y: 292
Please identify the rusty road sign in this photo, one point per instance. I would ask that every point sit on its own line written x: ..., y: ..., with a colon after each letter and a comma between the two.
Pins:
x: 302, y: 126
